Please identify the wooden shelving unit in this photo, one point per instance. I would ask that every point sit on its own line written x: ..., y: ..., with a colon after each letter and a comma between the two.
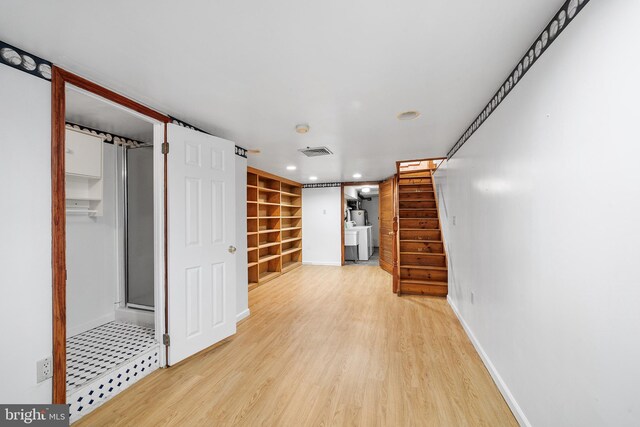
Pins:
x: 274, y: 226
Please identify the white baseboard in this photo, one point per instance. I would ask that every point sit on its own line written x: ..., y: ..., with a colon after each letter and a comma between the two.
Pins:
x: 337, y: 263
x: 242, y: 315
x: 502, y: 386
x: 94, y: 323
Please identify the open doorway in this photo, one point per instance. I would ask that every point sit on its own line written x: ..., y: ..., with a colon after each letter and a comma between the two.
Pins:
x: 111, y: 337
x: 192, y: 303
x: 361, y: 221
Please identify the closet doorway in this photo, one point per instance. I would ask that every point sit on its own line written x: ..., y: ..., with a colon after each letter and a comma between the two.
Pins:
x: 189, y: 303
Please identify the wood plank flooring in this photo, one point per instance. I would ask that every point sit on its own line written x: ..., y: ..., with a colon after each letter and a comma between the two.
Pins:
x: 324, y: 346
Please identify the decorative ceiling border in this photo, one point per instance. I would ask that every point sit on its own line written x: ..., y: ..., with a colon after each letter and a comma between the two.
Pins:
x: 242, y: 152
x: 569, y: 10
x: 323, y: 185
x: 110, y: 138
x: 36, y: 66
x: 24, y: 61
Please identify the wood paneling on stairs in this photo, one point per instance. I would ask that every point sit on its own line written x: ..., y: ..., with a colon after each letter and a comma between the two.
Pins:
x: 421, y: 255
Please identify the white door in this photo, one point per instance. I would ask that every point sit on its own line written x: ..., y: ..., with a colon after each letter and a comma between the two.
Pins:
x: 201, y: 238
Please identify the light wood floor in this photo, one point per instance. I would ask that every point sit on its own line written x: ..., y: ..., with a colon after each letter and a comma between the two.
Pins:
x: 324, y: 346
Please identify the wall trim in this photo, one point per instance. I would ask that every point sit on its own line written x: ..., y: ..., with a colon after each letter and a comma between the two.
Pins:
x: 497, y: 379
x: 36, y: 66
x: 323, y: 185
x: 24, y: 61
x: 242, y: 152
x: 243, y: 315
x: 109, y: 138
x: 561, y: 20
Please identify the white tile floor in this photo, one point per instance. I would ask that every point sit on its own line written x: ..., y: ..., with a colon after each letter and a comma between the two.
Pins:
x: 105, y: 360
x: 96, y: 351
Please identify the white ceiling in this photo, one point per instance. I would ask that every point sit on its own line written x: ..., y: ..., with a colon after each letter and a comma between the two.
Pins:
x: 373, y: 190
x: 88, y: 111
x: 250, y: 71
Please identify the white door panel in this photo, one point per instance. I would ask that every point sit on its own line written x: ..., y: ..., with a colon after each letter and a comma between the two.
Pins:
x: 201, y: 179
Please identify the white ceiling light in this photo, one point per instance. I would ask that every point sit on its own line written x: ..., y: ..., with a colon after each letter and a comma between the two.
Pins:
x: 357, y: 175
x: 408, y: 115
x: 302, y: 128
x: 291, y: 168
x: 366, y: 189
x: 313, y: 178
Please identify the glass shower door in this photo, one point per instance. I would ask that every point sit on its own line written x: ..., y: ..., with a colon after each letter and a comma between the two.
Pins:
x: 139, y: 227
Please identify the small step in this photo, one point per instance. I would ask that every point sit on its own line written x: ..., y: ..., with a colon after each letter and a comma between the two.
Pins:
x: 425, y: 282
x: 438, y: 289
x: 420, y: 234
x: 417, y: 204
x: 422, y: 259
x: 419, y: 224
x: 415, y: 174
x: 421, y: 247
x: 417, y: 197
x: 415, y: 181
x: 419, y: 215
x: 424, y: 267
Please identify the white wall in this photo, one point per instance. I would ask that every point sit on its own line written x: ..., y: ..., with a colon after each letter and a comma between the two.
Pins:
x: 92, y: 258
x: 372, y: 207
x: 546, y: 198
x: 321, y: 224
x: 25, y: 227
x: 242, y: 279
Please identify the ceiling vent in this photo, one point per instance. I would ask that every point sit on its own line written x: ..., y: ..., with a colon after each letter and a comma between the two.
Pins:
x: 315, y: 151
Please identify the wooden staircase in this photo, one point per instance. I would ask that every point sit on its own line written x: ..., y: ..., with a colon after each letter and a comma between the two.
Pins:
x: 422, y: 262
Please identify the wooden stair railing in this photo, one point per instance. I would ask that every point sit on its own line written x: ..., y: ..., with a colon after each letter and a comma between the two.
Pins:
x: 420, y: 255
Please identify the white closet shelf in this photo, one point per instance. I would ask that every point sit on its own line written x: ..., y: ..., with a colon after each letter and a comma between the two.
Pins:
x: 89, y: 212
x: 90, y: 199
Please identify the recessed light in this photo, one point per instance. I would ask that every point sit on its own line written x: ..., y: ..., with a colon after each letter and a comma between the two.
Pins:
x: 357, y: 175
x: 366, y: 189
x: 408, y: 115
x: 291, y: 168
x: 302, y: 128
x: 313, y: 178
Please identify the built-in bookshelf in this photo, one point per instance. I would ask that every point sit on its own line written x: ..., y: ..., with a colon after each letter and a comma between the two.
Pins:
x: 274, y: 226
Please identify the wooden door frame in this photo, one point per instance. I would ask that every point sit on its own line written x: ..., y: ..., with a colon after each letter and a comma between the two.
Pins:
x: 342, y: 185
x: 59, y: 80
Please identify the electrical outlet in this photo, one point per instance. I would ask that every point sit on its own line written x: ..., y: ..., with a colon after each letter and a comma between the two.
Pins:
x: 44, y: 369
x: 454, y: 220
x: 472, y: 297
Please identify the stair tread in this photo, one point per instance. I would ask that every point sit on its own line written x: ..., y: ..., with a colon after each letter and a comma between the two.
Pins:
x: 423, y: 267
x: 422, y: 253
x: 421, y: 240
x: 418, y: 209
x: 419, y: 229
x: 424, y: 282
x: 421, y: 218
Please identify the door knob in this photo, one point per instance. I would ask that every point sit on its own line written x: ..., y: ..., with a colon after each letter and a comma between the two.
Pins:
x: 232, y: 249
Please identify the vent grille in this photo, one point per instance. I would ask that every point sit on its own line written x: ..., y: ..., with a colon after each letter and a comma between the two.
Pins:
x: 315, y: 151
